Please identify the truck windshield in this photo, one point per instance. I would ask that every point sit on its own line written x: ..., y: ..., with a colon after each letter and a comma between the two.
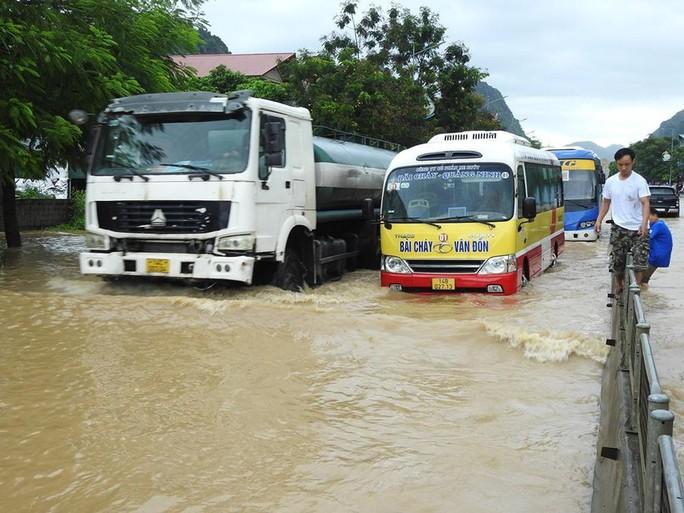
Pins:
x: 174, y: 144
x: 662, y: 191
x: 449, y: 193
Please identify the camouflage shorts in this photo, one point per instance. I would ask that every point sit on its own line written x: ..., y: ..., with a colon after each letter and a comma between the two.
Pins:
x: 622, y: 242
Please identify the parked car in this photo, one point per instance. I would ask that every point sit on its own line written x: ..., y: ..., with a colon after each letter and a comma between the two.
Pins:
x: 665, y: 199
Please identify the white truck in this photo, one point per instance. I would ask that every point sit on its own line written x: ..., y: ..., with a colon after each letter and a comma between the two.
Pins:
x: 210, y: 187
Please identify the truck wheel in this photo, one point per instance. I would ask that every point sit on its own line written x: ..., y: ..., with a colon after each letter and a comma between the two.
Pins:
x: 290, y: 272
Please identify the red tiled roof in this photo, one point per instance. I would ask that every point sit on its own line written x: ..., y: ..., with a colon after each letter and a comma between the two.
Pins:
x: 250, y: 64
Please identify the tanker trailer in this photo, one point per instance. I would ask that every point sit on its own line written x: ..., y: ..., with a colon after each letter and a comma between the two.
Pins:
x: 211, y: 187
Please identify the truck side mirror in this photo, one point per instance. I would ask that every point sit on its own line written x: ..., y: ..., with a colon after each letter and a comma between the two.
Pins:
x: 273, y: 137
x: 79, y: 117
x: 274, y: 159
x: 529, y: 208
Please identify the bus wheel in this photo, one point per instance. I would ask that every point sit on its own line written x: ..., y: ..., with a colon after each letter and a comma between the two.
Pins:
x: 290, y: 272
x: 554, y: 256
x: 525, y: 274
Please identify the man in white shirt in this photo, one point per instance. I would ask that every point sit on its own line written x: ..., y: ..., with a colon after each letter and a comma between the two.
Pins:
x: 628, y: 194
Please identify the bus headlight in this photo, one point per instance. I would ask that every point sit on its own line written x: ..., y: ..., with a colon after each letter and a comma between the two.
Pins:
x: 500, y: 265
x: 236, y: 243
x: 393, y: 264
x: 96, y: 241
x: 587, y: 224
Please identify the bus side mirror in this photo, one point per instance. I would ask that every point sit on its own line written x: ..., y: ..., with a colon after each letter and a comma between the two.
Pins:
x: 601, y: 178
x: 530, y: 208
x: 367, y: 210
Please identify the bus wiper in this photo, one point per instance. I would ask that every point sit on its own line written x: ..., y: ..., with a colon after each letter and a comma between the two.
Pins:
x: 130, y: 172
x: 581, y: 203
x: 413, y: 219
x: 460, y: 219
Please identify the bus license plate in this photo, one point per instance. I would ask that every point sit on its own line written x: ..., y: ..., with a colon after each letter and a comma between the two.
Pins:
x: 443, y: 284
x: 157, y: 265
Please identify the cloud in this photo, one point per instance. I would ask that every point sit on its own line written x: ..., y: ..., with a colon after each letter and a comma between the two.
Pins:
x: 607, y: 70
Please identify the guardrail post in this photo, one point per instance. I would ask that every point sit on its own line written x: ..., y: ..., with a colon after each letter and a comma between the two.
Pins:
x: 659, y: 423
x: 642, y: 328
x: 626, y: 356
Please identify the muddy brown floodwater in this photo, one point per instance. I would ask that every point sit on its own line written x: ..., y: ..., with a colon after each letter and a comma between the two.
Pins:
x: 158, y: 398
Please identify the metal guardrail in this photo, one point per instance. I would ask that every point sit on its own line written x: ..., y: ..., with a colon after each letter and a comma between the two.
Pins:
x: 341, y: 135
x: 660, y: 483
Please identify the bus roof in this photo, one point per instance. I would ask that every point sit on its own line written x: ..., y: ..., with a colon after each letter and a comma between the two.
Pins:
x: 573, y: 153
x: 473, y: 148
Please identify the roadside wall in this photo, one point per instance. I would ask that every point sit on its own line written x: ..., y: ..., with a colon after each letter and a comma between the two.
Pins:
x: 616, y: 486
x: 41, y: 213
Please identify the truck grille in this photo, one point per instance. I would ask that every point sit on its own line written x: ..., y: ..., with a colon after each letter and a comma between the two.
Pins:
x: 445, y: 266
x: 163, y: 216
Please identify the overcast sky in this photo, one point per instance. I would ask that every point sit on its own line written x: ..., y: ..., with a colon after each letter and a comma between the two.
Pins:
x: 602, y: 70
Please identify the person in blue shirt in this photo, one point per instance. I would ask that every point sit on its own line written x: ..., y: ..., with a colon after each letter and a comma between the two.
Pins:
x: 660, y: 240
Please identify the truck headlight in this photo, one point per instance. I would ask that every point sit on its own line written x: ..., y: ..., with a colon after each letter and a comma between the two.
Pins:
x: 236, y: 243
x: 393, y: 264
x: 96, y: 241
x: 587, y: 224
x: 500, y: 265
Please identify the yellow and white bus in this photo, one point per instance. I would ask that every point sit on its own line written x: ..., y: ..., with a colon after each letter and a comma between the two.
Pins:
x: 480, y: 211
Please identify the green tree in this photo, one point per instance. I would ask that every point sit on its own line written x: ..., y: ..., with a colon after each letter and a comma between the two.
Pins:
x: 413, y: 47
x: 649, y: 159
x: 223, y: 80
x: 59, y: 55
x: 355, y: 95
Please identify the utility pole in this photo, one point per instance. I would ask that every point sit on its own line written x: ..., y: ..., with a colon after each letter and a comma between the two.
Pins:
x: 669, y: 182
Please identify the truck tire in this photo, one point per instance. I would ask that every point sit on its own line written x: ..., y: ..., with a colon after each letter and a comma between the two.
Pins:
x: 290, y: 272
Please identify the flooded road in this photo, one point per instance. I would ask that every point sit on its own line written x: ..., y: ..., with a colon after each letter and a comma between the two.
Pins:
x: 157, y: 398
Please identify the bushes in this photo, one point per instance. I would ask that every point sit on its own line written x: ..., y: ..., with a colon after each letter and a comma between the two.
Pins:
x: 31, y: 192
x: 77, y: 221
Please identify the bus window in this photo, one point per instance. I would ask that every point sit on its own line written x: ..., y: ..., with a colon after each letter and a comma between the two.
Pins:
x: 544, y: 184
x: 521, y: 190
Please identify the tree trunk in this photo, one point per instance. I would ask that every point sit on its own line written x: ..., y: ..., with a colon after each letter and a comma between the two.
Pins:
x: 9, y: 212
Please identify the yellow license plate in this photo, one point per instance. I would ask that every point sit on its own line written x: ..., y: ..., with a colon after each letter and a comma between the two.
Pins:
x: 157, y: 265
x: 443, y: 284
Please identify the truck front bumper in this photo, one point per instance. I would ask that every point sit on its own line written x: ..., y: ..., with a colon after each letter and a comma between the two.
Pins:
x: 169, y: 265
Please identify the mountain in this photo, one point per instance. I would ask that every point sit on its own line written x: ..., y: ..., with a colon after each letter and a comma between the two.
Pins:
x: 496, y: 104
x: 211, y: 43
x: 604, y: 153
x: 674, y: 125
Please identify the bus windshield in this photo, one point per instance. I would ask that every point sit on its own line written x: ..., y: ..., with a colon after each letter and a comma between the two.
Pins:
x: 447, y: 192
x: 174, y: 144
x: 581, y: 185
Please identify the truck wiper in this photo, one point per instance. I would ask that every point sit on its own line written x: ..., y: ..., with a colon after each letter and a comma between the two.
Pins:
x: 130, y: 172
x: 462, y: 219
x: 204, y: 175
x: 414, y: 220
